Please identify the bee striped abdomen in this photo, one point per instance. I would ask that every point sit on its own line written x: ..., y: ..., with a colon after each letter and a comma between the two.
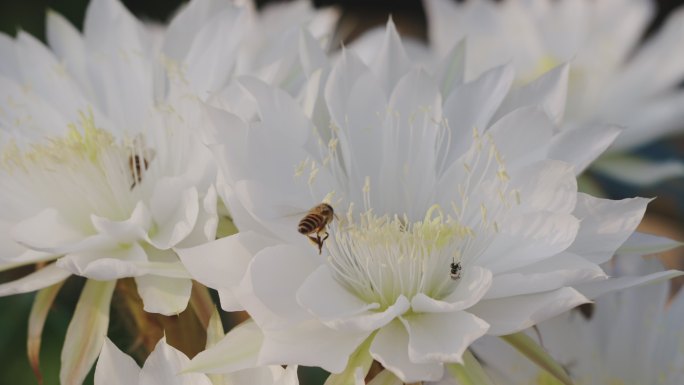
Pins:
x: 310, y: 223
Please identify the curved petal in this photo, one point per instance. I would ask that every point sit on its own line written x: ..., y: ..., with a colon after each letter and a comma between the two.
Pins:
x: 238, y: 350
x: 472, y: 105
x: 114, y: 367
x: 46, y: 231
x: 310, y: 343
x: 548, y: 91
x: 472, y: 286
x: 163, y: 295
x: 390, y: 348
x: 327, y: 300
x: 512, y: 314
x: 564, y: 269
x: 580, y: 146
x: 47, y: 276
x: 221, y: 264
x: 606, y: 224
x: 105, y: 265
x: 164, y: 364
x: 529, y: 238
x: 270, y: 286
x: 391, y: 62
x: 132, y: 229
x: 441, y: 337
x: 175, y: 209
x: 86, y: 332
x: 207, y: 221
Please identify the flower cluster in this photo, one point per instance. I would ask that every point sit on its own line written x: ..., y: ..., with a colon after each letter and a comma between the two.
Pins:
x: 375, y: 214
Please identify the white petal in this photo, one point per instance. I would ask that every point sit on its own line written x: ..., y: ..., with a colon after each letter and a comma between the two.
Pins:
x: 46, y: 230
x: 221, y: 264
x: 606, y: 224
x: 472, y: 105
x: 546, y: 186
x: 86, y: 332
x: 212, y: 55
x: 517, y: 135
x: 341, y: 82
x: 133, y: 229
x: 207, y: 221
x: 391, y: 62
x: 512, y: 314
x: 47, y: 276
x: 185, y: 25
x: 311, y: 53
x: 548, y: 91
x: 106, y: 264
x: 581, y: 145
x: 564, y: 269
x: 278, y: 111
x: 174, y: 208
x: 164, y: 364
x: 645, y: 244
x: 238, y: 350
x: 66, y: 42
x: 109, y: 24
x: 527, y: 239
x: 327, y: 300
x: 390, y: 348
x: 451, y: 70
x: 269, y: 288
x: 310, y: 343
x: 442, y: 337
x: 163, y: 295
x: 474, y: 283
x: 597, y: 289
x: 114, y: 367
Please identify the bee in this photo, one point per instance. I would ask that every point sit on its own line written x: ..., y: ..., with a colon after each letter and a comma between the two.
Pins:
x: 139, y: 159
x: 136, y: 163
x: 314, y: 223
x: 455, y: 272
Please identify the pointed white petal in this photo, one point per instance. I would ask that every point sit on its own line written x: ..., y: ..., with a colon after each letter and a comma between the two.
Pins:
x: 47, y: 276
x: 163, y: 295
x: 606, y: 224
x: 86, y: 332
x: 237, y: 350
x: 175, y: 209
x: 114, y: 367
x: 581, y: 145
x: 441, y: 337
x: 164, y: 364
x: 390, y: 348
x: 474, y: 283
x: 512, y: 314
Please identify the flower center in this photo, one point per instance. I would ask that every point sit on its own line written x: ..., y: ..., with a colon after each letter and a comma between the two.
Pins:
x: 380, y: 258
x: 85, y: 172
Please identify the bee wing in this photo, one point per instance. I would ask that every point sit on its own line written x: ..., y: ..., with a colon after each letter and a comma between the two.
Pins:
x: 284, y: 211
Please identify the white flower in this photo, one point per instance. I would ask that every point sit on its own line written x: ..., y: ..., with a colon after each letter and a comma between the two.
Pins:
x: 423, y: 172
x: 632, y: 337
x: 166, y: 365
x: 613, y: 77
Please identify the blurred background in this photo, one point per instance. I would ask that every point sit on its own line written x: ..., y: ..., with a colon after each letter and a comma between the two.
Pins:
x: 664, y: 217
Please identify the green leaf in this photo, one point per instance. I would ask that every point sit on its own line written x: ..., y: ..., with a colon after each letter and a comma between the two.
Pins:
x: 470, y: 372
x: 86, y: 332
x: 39, y: 312
x: 535, y: 353
x: 360, y: 360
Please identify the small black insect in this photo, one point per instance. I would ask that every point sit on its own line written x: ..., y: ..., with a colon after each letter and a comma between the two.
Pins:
x: 455, y: 270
